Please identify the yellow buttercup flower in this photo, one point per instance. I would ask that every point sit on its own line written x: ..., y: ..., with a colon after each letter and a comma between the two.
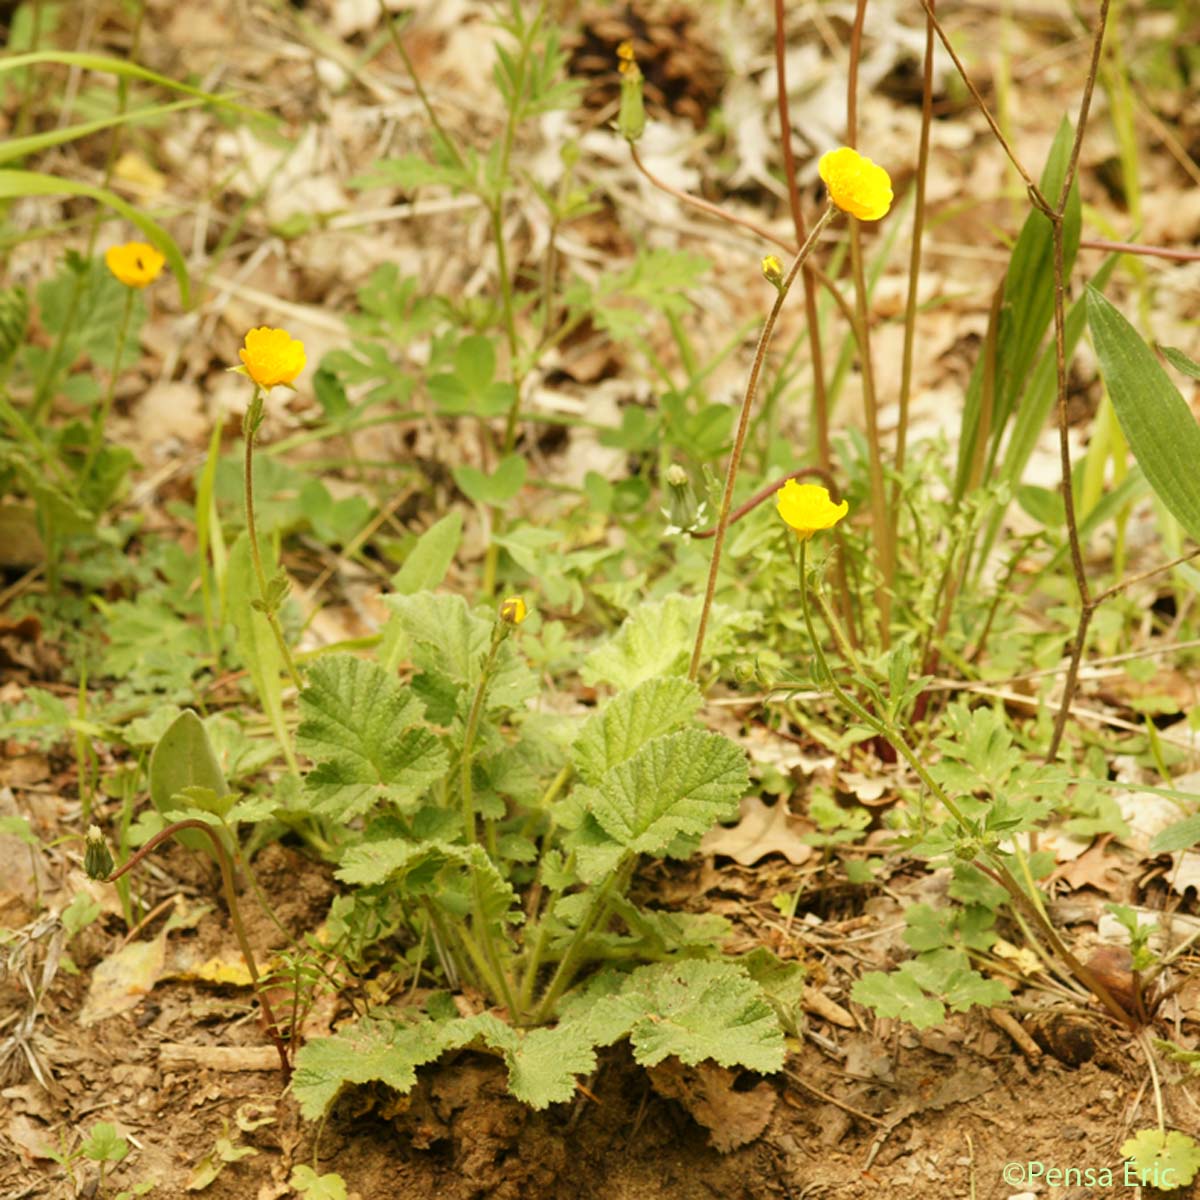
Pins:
x: 135, y: 264
x: 856, y: 185
x: 271, y: 357
x: 513, y: 611
x: 806, y: 507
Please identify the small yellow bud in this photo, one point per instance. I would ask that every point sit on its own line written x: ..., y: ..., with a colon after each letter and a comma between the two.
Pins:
x: 513, y: 611
x: 772, y: 270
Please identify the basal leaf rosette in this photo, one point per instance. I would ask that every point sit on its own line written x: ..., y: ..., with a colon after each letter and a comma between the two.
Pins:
x: 856, y: 185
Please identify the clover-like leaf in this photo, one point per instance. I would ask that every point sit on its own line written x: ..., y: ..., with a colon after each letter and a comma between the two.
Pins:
x: 363, y: 729
x: 1163, y: 1160
x: 898, y: 995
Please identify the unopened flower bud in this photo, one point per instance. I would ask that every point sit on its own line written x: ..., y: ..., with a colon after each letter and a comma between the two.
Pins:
x: 631, y: 119
x: 772, y: 270
x: 97, y: 861
x: 513, y: 611
x: 682, y: 511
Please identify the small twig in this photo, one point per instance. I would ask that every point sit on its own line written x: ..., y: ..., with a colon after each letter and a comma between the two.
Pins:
x: 1139, y: 249
x: 849, y: 1108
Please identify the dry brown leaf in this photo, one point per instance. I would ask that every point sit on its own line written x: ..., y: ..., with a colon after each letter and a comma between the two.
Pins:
x: 762, y: 830
x: 706, y: 1090
x: 123, y: 980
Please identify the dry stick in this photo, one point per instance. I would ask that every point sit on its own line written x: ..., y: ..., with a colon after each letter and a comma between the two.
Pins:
x: 235, y: 916
x: 739, y: 442
x: 1087, y: 604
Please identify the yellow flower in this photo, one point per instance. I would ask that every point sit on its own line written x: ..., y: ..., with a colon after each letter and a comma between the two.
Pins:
x: 271, y: 357
x: 513, y: 611
x: 772, y: 269
x: 856, y: 185
x: 806, y: 507
x: 135, y: 264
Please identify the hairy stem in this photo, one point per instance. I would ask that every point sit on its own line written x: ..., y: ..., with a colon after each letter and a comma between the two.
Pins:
x: 739, y: 442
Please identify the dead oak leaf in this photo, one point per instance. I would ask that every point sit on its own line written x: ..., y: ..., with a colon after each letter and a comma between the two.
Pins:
x: 762, y: 829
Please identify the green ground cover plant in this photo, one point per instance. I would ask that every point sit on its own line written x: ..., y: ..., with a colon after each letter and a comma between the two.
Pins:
x: 488, y: 774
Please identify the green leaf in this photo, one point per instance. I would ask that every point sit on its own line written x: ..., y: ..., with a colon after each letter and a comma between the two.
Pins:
x: 256, y: 643
x: 364, y: 730
x: 105, y: 1144
x: 1027, y: 308
x: 542, y: 1070
x: 696, y: 1010
x: 1163, y: 1160
x: 450, y: 642
x: 183, y: 759
x: 430, y: 559
x: 1181, y: 362
x: 497, y: 488
x: 657, y: 639
x: 630, y: 720
x: 900, y: 996
x: 682, y: 783
x: 1183, y: 835
x: 452, y: 876
x: 1155, y: 418
x: 368, y: 1052
x: 17, y: 184
x: 317, y: 1187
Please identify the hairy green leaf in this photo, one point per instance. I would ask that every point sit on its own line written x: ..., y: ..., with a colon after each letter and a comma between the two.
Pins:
x: 368, y: 1052
x: 697, y: 1010
x: 364, y: 731
x: 630, y: 720
x: 681, y: 783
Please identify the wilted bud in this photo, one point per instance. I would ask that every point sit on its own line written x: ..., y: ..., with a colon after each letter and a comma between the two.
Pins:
x: 772, y: 270
x: 513, y: 611
x: 97, y: 861
x: 682, y: 512
x: 631, y: 120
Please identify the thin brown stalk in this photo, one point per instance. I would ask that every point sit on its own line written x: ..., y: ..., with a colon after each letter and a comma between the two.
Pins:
x: 914, y: 262
x: 998, y: 133
x: 1087, y: 604
x: 1166, y: 252
x: 739, y: 442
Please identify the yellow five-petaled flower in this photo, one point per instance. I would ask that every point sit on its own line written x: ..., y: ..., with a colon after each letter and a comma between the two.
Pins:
x: 856, y: 184
x: 135, y: 264
x: 806, y: 508
x: 271, y: 357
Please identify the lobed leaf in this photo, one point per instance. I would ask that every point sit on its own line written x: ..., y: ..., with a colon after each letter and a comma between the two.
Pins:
x: 680, y: 783
x: 630, y: 720
x: 364, y: 730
